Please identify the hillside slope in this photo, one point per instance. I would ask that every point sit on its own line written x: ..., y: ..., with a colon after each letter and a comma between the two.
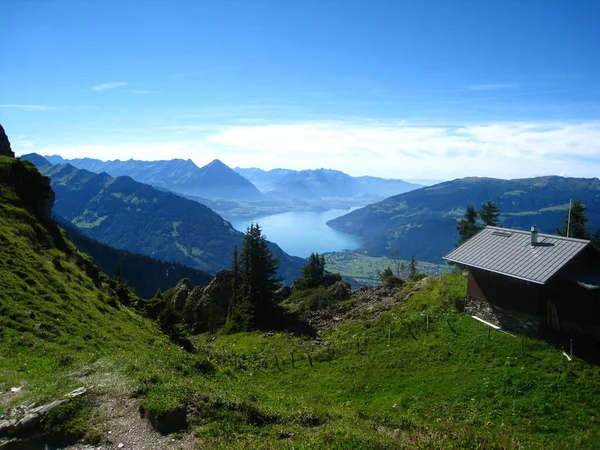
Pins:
x: 137, y: 217
x: 423, y: 222
x: 61, y: 324
x: 143, y: 275
x: 215, y: 180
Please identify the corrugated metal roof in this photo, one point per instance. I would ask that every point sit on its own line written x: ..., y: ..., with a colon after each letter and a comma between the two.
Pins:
x: 509, y: 252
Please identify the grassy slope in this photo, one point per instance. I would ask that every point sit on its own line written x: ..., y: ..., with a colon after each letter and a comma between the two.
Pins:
x: 433, y: 388
x: 438, y: 389
x: 84, y: 331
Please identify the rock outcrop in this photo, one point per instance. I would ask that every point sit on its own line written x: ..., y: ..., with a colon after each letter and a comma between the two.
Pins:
x: 24, y: 420
x: 31, y: 186
x: 204, y: 308
x: 5, y: 149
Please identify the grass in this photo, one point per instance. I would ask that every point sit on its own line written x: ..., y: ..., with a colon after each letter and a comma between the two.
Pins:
x: 364, y: 268
x: 446, y: 387
x: 389, y: 382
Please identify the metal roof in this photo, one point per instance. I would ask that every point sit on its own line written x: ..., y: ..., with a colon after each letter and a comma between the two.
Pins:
x: 509, y: 252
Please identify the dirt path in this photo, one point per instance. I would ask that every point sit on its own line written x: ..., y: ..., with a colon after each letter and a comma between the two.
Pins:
x: 122, y: 427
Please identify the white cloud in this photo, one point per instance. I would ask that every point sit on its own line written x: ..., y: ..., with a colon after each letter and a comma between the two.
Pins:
x: 384, y: 148
x: 105, y: 86
x: 26, y: 107
x: 498, y: 150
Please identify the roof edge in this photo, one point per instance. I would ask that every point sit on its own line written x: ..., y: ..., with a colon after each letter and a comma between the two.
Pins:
x: 501, y: 273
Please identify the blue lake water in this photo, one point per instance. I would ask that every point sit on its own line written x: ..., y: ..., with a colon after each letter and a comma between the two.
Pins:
x: 301, y: 233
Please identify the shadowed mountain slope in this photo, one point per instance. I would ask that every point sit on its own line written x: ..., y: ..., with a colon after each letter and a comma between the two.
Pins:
x: 144, y: 275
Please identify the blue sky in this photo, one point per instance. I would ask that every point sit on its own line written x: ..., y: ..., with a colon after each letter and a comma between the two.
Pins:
x: 421, y: 89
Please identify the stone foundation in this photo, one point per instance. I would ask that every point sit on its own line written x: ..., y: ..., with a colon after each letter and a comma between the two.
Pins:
x: 508, y: 320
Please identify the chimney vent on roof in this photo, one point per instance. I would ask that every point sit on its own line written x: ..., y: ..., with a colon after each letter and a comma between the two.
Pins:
x: 534, y: 235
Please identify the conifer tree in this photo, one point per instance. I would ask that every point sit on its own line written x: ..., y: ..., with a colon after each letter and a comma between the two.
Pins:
x: 314, y: 271
x: 254, y: 282
x: 489, y: 213
x: 575, y: 227
x: 468, y: 227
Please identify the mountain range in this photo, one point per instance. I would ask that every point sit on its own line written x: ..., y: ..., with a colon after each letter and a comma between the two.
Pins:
x: 247, y: 193
x: 215, y: 180
x: 423, y: 222
x: 311, y: 185
x: 137, y: 217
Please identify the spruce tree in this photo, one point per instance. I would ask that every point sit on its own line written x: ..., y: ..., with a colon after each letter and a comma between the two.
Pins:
x: 254, y: 282
x: 468, y: 227
x: 576, y: 226
x: 489, y: 213
x: 314, y: 271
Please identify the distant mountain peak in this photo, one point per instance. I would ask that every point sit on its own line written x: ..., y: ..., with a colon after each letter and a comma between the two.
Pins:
x: 217, y: 163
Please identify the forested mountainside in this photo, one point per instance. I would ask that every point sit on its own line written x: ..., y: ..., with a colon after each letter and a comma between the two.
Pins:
x: 323, y: 183
x: 423, y: 222
x: 144, y: 275
x: 126, y: 214
x: 215, y: 180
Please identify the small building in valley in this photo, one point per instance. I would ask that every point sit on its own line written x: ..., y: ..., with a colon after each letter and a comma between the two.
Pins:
x: 532, y: 283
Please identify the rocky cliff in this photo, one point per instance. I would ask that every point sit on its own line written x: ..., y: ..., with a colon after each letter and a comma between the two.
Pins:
x: 32, y: 187
x: 5, y: 149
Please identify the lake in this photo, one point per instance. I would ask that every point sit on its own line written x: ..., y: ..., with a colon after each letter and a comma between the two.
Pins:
x: 301, y: 233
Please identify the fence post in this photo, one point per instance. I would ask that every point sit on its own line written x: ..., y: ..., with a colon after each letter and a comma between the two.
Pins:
x: 277, y: 362
x: 293, y: 360
x: 428, y: 323
x: 389, y: 336
x: 309, y: 359
x: 571, y: 349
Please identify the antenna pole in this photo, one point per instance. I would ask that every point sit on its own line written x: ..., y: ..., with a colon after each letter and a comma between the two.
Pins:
x: 569, y: 219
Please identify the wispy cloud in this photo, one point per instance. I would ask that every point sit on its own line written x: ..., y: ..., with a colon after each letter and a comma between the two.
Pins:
x: 26, y: 107
x: 386, y: 148
x: 492, y: 86
x: 106, y: 86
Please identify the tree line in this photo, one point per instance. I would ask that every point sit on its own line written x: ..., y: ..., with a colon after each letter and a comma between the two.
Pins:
x: 574, y: 224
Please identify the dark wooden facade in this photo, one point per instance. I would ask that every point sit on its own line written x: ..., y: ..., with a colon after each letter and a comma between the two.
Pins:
x: 559, y: 305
